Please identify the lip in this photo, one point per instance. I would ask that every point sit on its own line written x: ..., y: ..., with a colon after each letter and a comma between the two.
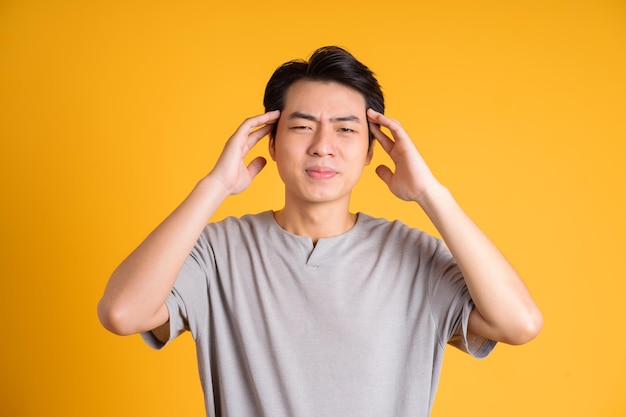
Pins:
x: 321, y: 172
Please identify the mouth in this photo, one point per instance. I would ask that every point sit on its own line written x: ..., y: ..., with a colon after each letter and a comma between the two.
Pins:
x: 321, y: 173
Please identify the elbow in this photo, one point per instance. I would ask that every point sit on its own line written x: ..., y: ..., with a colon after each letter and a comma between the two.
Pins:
x: 115, y: 318
x: 526, y: 329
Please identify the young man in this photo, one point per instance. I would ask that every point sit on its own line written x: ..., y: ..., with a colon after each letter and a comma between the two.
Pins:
x: 313, y: 310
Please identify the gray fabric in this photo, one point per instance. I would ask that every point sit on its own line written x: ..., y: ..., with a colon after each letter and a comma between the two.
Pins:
x: 355, y: 326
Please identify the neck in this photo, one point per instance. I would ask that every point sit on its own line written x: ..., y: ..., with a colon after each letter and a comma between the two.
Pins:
x: 315, y: 222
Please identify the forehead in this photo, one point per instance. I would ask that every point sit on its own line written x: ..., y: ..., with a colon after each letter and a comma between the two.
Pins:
x: 322, y: 97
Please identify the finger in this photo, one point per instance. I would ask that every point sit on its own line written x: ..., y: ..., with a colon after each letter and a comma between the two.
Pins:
x: 384, y: 173
x: 384, y: 140
x: 252, y: 123
x: 257, y: 135
x: 256, y: 165
x: 394, y: 126
x: 381, y: 119
x: 268, y: 118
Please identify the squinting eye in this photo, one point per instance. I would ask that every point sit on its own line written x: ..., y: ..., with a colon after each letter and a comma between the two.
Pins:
x: 345, y: 129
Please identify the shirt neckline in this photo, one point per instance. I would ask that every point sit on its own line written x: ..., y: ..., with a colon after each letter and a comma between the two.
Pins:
x: 274, y: 224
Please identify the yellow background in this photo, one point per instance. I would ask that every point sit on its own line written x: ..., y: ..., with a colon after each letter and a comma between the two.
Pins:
x: 111, y: 111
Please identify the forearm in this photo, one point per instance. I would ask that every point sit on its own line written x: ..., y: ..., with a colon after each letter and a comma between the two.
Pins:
x: 506, y: 310
x: 134, y: 298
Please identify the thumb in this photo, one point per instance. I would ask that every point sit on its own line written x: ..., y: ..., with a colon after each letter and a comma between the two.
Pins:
x: 384, y: 173
x: 256, y: 165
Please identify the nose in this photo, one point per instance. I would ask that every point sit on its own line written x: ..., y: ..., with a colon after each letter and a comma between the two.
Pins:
x: 323, y: 143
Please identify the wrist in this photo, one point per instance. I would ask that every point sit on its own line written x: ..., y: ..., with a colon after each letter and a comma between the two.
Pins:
x: 212, y: 186
x: 433, y: 197
x: 207, y: 195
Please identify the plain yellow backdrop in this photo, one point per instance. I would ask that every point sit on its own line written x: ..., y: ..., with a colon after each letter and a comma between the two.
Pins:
x: 111, y: 111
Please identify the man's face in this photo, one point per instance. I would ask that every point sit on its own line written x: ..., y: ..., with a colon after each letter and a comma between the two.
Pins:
x: 321, y: 144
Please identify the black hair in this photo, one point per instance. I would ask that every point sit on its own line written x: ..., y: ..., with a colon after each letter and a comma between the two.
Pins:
x: 328, y: 63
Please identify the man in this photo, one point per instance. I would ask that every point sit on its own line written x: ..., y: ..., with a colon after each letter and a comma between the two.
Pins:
x: 313, y: 310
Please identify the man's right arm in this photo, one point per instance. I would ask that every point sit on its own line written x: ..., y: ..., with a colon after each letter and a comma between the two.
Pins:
x: 134, y: 298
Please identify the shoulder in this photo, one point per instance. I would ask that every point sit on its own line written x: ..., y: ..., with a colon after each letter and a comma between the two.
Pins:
x: 397, y: 237
x: 248, y: 222
x: 381, y: 227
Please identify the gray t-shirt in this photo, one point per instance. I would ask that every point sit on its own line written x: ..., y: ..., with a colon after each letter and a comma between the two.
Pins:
x: 353, y: 326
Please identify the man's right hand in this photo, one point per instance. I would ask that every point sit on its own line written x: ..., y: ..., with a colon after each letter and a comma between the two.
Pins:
x: 134, y: 299
x: 230, y: 169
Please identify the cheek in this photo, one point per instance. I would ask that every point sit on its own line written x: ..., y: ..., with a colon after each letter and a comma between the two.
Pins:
x: 289, y: 147
x: 362, y: 153
x: 284, y: 158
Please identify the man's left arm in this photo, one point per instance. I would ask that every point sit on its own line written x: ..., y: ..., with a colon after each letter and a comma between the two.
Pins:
x: 504, y: 310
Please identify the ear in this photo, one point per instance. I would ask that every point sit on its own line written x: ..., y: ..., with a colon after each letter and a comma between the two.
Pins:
x: 370, y: 153
x: 271, y: 148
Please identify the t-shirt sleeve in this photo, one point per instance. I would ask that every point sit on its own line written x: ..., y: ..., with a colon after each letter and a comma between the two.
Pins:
x: 177, y: 322
x: 452, y: 304
x: 476, y: 345
x: 187, y: 303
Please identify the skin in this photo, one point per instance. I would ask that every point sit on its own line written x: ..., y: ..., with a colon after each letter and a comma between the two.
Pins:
x: 320, y: 150
x: 504, y: 310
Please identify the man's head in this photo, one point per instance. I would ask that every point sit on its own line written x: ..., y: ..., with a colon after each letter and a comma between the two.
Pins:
x: 327, y: 64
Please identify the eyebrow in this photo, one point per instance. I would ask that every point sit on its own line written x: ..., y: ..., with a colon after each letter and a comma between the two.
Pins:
x: 300, y: 115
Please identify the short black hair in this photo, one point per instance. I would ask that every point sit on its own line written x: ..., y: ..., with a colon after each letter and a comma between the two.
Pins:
x: 328, y: 63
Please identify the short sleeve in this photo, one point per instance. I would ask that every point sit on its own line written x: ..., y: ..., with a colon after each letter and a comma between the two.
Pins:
x: 477, y: 346
x: 177, y: 322
x: 451, y: 305
x: 187, y: 303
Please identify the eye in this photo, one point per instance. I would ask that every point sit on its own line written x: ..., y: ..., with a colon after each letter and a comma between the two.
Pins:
x: 300, y: 127
x: 346, y: 130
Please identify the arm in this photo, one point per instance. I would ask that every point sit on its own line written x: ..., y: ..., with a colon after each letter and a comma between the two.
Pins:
x: 504, y: 310
x: 134, y: 298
